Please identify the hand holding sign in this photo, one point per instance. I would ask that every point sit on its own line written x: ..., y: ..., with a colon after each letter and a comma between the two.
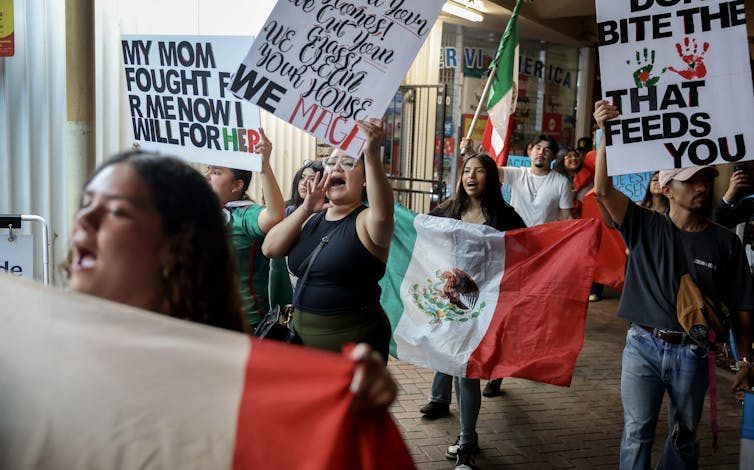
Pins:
x: 604, y: 111
x: 372, y: 129
x: 264, y: 148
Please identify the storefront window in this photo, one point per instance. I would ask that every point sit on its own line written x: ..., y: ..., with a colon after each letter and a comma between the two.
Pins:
x: 547, y: 84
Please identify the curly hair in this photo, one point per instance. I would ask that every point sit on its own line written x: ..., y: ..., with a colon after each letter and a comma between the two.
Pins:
x: 200, y: 284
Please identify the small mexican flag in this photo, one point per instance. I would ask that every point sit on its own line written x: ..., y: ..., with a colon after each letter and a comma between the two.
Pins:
x: 470, y: 301
x: 501, y: 102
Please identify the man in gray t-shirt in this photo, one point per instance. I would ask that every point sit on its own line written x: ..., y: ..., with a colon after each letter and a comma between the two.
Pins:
x: 659, y: 357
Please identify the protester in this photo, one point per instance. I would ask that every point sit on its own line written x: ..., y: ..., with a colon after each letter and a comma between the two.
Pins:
x: 570, y: 163
x: 659, y: 356
x: 737, y: 205
x: 249, y: 222
x: 653, y: 198
x: 303, y: 177
x: 148, y: 234
x: 477, y: 200
x: 339, y: 301
x: 538, y: 194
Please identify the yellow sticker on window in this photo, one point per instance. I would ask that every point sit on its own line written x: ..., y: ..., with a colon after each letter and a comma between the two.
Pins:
x: 6, y: 28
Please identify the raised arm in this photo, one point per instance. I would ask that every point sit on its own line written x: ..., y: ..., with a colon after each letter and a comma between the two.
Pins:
x: 282, y: 236
x: 615, y: 202
x: 378, y: 219
x: 273, y: 198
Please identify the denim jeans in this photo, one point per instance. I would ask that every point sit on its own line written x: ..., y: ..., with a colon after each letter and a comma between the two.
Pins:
x: 650, y: 368
x: 469, y: 397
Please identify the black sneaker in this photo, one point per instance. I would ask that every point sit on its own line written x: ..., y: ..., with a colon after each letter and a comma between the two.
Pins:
x: 434, y: 410
x: 465, y: 458
x: 492, y: 389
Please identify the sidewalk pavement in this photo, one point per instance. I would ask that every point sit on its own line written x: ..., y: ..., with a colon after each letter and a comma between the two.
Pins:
x: 538, y: 426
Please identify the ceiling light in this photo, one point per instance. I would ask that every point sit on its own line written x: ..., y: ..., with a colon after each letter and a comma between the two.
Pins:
x: 477, y: 5
x: 461, y: 12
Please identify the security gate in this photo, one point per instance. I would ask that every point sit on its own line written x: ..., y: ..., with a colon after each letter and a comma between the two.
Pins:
x: 416, y: 158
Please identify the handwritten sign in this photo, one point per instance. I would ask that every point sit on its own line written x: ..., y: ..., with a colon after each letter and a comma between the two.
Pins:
x: 322, y: 65
x: 179, y: 103
x: 679, y: 72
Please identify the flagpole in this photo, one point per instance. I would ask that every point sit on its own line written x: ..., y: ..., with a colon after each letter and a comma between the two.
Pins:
x: 486, y: 90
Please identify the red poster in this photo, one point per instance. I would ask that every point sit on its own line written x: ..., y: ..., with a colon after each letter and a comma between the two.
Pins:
x: 552, y: 125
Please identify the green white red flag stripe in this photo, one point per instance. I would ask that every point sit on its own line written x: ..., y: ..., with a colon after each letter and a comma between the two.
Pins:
x: 88, y: 383
x: 471, y: 301
x: 501, y: 102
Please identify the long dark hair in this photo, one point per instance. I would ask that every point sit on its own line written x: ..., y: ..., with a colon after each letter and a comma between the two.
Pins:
x: 647, y: 201
x: 201, y: 283
x: 560, y: 161
x: 497, y: 213
x: 296, y: 199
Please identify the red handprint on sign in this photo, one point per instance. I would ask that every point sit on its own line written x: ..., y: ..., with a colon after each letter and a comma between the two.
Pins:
x: 693, y: 59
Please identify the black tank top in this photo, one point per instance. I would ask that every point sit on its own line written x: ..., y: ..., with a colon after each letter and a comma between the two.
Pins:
x: 344, y: 275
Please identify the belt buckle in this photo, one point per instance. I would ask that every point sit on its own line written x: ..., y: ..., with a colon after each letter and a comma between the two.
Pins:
x: 672, y: 337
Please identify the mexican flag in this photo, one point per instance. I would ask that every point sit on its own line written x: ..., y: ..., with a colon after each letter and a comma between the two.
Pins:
x: 501, y: 102
x: 86, y: 383
x: 470, y: 301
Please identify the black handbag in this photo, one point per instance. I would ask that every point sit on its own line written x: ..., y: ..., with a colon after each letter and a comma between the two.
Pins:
x: 278, y: 323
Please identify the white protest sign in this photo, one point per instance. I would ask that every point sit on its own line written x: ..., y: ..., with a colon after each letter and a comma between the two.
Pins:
x: 679, y: 72
x: 17, y: 256
x: 322, y: 65
x: 178, y: 101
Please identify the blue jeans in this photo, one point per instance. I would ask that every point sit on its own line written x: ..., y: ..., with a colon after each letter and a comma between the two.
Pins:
x: 650, y: 368
x: 469, y: 397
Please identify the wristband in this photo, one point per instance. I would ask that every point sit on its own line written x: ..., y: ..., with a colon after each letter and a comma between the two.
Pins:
x: 742, y: 364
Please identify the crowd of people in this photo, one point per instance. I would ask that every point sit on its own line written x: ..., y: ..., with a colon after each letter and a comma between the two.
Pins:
x: 153, y: 233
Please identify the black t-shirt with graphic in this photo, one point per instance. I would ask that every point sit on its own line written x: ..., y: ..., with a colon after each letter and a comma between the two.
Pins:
x: 715, y: 260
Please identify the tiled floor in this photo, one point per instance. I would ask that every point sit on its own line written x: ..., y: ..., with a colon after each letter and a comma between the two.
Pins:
x: 537, y: 426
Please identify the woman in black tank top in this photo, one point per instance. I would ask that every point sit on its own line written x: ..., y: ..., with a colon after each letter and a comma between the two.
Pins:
x: 338, y: 301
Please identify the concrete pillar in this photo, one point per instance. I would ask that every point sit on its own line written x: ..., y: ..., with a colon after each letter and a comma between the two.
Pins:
x: 79, y: 23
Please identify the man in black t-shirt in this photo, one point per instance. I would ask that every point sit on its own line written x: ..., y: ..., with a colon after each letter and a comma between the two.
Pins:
x: 659, y: 357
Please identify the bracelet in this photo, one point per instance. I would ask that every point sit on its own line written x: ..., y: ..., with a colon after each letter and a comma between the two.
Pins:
x: 741, y: 364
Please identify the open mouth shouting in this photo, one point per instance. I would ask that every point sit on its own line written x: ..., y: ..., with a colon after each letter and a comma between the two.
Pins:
x: 83, y: 258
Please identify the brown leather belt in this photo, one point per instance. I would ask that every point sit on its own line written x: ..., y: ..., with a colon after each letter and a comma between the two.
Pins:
x: 670, y: 337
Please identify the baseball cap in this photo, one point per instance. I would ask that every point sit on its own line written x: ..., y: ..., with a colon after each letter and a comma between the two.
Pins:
x: 683, y: 174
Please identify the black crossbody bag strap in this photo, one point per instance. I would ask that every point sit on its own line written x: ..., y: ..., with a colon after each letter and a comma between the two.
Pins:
x: 310, y: 260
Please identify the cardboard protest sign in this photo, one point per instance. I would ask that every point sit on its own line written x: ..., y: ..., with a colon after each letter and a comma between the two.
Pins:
x: 679, y: 72
x: 179, y: 102
x: 633, y: 185
x: 323, y: 65
x: 17, y: 255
